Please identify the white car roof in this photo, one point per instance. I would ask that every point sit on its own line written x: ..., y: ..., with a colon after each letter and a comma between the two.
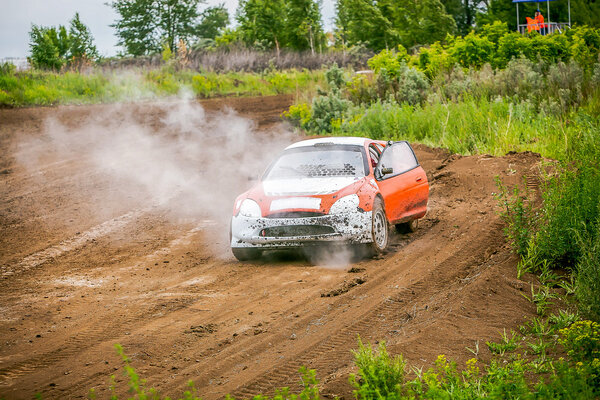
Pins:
x: 359, y: 141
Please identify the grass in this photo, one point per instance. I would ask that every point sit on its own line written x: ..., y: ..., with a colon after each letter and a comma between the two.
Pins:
x: 33, y: 88
x: 472, y: 126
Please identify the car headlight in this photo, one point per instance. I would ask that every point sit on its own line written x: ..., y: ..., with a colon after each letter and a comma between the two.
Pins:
x: 345, y: 204
x: 250, y: 208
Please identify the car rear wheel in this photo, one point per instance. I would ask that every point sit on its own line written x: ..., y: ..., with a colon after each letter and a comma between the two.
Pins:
x: 408, y: 227
x: 246, y: 254
x: 379, y: 228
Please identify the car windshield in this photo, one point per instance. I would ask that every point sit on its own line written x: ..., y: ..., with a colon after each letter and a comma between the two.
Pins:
x: 319, y: 162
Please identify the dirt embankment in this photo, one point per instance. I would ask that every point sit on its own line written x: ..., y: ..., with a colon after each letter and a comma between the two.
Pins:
x: 91, y: 255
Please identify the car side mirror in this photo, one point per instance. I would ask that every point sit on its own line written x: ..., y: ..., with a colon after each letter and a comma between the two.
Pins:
x: 387, y: 171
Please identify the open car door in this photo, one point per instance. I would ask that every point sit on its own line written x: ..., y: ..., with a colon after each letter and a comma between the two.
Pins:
x: 402, y: 183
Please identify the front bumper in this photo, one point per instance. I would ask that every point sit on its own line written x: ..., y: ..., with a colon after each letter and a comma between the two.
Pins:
x: 273, y: 233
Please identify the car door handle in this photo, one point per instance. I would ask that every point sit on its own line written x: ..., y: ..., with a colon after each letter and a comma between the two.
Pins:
x: 419, y: 179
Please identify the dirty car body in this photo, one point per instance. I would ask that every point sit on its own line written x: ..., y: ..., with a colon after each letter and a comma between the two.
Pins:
x: 344, y: 190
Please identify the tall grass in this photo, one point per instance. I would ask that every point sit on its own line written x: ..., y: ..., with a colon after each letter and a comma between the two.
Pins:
x: 467, y: 127
x: 49, y: 88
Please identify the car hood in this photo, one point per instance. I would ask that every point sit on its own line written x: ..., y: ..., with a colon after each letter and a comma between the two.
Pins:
x: 306, y: 186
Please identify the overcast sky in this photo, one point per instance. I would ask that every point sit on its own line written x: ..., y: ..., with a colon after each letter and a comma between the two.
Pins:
x: 16, y: 17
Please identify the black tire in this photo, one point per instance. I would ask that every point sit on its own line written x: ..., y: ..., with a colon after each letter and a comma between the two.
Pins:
x: 408, y: 227
x: 380, y: 232
x: 246, y: 254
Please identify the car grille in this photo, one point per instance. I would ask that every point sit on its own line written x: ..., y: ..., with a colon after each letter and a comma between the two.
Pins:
x: 296, y: 230
x: 296, y: 214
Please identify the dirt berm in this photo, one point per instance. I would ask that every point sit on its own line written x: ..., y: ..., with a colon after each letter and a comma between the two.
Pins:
x: 113, y: 229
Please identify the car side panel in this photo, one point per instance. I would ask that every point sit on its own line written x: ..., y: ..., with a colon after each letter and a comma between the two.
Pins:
x: 405, y: 196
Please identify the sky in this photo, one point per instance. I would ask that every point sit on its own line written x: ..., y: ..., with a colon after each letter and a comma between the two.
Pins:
x: 18, y: 15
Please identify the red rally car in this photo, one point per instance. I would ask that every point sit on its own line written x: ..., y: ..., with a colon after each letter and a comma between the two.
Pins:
x: 343, y: 189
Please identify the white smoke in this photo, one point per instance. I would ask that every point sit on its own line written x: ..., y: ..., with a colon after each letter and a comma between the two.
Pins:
x: 169, y: 154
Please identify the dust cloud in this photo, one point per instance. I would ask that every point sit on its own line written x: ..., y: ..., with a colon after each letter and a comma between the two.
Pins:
x: 170, y: 155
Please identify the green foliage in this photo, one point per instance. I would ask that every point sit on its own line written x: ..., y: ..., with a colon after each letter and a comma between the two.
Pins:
x: 304, y: 28
x: 390, y: 61
x: 136, y: 27
x: 386, y: 24
x: 381, y: 376
x: 144, y: 25
x: 294, y: 24
x: 141, y: 391
x: 53, y: 47
x: 46, y: 88
x: 563, y: 319
x: 81, y: 41
x: 44, y: 48
x: 299, y: 114
x: 472, y: 50
x: 260, y: 23
x: 582, y: 341
x: 213, y: 21
x: 517, y: 212
x: 506, y: 343
x: 587, y: 280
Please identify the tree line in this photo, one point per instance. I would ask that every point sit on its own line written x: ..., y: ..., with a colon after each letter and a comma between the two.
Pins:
x: 145, y: 27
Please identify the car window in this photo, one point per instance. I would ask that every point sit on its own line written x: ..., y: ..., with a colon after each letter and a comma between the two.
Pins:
x: 319, y: 162
x: 400, y: 157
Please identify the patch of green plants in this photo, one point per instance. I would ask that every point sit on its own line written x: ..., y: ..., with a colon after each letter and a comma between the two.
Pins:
x: 564, y: 231
x: 535, y: 374
x: 50, y: 88
x: 140, y: 390
x: 506, y: 343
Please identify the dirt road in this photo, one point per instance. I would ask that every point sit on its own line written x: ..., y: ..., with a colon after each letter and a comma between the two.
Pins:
x: 99, y: 246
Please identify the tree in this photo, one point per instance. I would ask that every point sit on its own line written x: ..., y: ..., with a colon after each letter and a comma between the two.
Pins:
x: 421, y: 21
x: 384, y: 24
x: 465, y: 12
x: 53, y: 47
x: 177, y: 20
x: 303, y: 25
x: 262, y: 22
x: 213, y: 21
x: 81, y: 41
x: 144, y: 25
x: 44, y: 48
x: 362, y: 22
x: 136, y: 27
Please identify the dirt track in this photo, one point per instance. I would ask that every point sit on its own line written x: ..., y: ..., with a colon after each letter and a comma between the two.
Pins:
x: 87, y: 264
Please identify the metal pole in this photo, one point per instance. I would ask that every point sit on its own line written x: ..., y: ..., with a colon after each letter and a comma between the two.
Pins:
x: 569, y: 13
x: 548, y: 24
x: 518, y: 29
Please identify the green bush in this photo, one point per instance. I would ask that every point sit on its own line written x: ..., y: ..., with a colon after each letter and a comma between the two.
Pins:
x: 381, y: 376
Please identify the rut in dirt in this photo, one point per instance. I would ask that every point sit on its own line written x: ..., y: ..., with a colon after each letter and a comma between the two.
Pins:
x: 91, y: 255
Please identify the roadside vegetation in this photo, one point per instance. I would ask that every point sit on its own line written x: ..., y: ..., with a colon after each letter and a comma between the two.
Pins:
x: 51, y: 88
x: 472, y: 95
x: 464, y: 82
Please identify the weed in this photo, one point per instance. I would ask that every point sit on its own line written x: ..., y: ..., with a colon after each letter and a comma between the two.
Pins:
x: 518, y: 214
x: 563, y: 319
x: 537, y: 326
x: 506, y: 343
x: 541, y: 298
x: 539, y: 346
x: 475, y: 349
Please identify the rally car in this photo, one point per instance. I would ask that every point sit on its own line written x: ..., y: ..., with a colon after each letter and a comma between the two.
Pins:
x: 344, y: 189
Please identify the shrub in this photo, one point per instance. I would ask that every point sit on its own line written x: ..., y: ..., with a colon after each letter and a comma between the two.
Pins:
x: 299, y: 114
x: 587, y: 281
x: 473, y: 50
x: 381, y: 376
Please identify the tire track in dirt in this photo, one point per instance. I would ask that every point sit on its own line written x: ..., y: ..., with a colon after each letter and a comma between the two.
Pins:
x: 41, y: 257
x: 332, y: 353
x: 90, y: 336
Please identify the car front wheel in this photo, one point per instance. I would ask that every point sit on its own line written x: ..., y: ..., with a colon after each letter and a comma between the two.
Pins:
x: 246, y: 254
x: 379, y: 228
